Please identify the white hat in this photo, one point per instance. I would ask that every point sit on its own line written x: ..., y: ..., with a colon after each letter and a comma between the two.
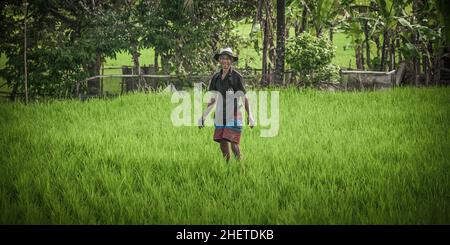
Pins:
x: 227, y: 51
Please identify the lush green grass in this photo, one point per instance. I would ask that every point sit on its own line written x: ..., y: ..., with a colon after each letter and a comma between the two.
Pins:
x: 123, y: 58
x: 340, y: 158
x: 110, y: 84
x: 345, y: 53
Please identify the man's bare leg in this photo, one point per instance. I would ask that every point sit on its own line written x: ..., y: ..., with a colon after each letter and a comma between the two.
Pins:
x: 236, y: 150
x: 225, y: 149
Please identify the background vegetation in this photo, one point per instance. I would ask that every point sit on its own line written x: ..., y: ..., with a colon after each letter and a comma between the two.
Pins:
x: 70, y: 40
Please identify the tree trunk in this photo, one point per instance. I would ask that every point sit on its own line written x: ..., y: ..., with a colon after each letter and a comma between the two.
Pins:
x: 264, y: 58
x: 367, y: 38
x: 399, y: 53
x: 392, y: 51
x: 286, y: 29
x: 296, y: 27
x: 136, y: 65
x: 137, y: 82
x: 331, y: 34
x: 263, y: 22
x: 416, y: 61
x: 13, y: 94
x: 93, y: 85
x: 416, y: 68
x: 259, y: 11
x: 304, y: 25
x: 281, y: 31
x: 361, y: 48
x: 270, y: 24
x: 137, y: 70
x: 155, y: 62
x: 384, y: 48
x: 318, y: 31
x: 426, y: 70
x: 270, y: 16
x: 428, y: 62
x: 437, y: 65
x: 25, y: 51
x: 165, y: 63
x: 377, y: 43
x: 359, y: 58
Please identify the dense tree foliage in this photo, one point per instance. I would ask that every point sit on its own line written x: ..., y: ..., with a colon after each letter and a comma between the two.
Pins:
x: 68, y: 41
x: 411, y: 31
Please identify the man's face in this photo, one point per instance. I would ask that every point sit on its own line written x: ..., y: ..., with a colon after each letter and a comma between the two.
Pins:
x: 225, y: 61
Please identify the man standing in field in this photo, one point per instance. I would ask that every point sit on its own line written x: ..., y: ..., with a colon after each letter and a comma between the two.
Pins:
x: 229, y: 89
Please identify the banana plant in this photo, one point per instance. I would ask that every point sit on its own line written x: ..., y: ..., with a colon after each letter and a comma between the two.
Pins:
x: 323, y: 13
x: 425, y: 40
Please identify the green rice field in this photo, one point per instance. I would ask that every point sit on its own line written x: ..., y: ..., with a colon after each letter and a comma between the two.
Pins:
x: 378, y: 157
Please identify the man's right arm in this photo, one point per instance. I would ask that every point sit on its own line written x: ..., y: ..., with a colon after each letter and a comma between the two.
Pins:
x: 210, y: 105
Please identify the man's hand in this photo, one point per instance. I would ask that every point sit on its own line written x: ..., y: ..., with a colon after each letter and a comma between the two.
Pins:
x: 201, y: 122
x: 251, y: 122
